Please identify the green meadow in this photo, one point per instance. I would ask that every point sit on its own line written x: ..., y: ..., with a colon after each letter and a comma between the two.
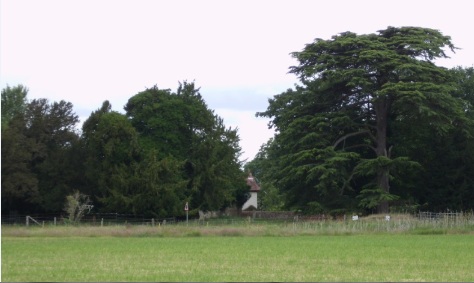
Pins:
x: 252, y: 253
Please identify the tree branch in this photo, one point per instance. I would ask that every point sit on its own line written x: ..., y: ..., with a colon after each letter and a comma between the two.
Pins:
x: 362, y: 145
x: 389, y: 154
x: 350, y: 135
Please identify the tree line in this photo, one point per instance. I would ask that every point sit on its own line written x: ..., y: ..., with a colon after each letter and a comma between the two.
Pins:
x: 168, y: 148
x: 374, y: 125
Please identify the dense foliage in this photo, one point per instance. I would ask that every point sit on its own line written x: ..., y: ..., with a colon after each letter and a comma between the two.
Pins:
x: 167, y: 149
x: 374, y: 122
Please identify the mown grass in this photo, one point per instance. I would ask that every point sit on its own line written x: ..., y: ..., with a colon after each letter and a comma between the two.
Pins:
x: 365, y: 257
x: 372, y: 249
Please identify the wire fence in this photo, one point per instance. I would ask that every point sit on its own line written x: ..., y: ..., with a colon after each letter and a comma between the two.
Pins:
x: 108, y: 219
x: 452, y: 217
x: 111, y: 219
x: 98, y: 219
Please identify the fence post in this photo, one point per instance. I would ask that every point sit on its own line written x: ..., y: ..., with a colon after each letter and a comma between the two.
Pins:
x: 102, y: 222
x: 27, y: 221
x: 54, y: 221
x: 153, y: 222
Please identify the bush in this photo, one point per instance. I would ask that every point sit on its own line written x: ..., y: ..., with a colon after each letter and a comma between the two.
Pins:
x: 76, y: 206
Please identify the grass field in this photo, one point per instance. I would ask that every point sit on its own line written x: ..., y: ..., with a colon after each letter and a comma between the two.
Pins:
x: 254, y: 253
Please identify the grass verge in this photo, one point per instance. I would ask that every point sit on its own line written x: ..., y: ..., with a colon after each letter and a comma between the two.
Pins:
x: 399, y: 224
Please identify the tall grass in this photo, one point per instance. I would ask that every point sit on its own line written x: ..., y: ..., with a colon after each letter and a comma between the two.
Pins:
x: 398, y: 224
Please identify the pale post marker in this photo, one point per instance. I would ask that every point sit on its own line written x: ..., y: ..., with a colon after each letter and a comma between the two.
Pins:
x: 186, y: 208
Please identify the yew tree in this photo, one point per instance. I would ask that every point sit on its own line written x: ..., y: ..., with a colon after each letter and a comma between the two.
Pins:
x: 179, y: 126
x: 342, y: 122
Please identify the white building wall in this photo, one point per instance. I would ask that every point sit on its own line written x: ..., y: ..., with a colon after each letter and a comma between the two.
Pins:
x: 252, y: 201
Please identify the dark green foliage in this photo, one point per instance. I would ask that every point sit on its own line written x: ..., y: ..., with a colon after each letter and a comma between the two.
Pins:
x: 181, y: 127
x: 168, y: 149
x: 262, y: 167
x: 36, y: 157
x: 112, y: 153
x: 20, y: 190
x: 373, y: 122
x: 363, y: 99
x: 446, y: 181
x: 13, y: 103
x: 19, y: 183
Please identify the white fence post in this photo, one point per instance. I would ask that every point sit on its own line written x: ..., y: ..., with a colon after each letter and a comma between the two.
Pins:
x: 28, y: 221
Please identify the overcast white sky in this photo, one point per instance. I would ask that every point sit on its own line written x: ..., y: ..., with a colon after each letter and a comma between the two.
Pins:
x: 89, y: 51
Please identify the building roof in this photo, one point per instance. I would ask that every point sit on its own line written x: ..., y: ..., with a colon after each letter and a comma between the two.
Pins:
x: 254, y: 187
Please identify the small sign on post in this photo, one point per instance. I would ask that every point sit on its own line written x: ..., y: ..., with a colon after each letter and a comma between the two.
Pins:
x: 186, y: 208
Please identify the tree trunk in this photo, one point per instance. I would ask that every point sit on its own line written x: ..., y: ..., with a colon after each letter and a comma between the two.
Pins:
x: 381, y: 112
x: 383, y: 182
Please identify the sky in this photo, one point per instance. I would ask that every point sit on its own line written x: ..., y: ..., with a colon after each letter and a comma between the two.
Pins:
x: 237, y: 52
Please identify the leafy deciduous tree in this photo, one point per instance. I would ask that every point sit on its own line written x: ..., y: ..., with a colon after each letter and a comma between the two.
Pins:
x: 13, y: 103
x: 35, y: 159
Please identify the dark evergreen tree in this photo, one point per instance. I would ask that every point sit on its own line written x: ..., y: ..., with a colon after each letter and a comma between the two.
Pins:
x: 179, y: 126
x: 112, y: 158
x: 337, y: 133
x: 36, y: 156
